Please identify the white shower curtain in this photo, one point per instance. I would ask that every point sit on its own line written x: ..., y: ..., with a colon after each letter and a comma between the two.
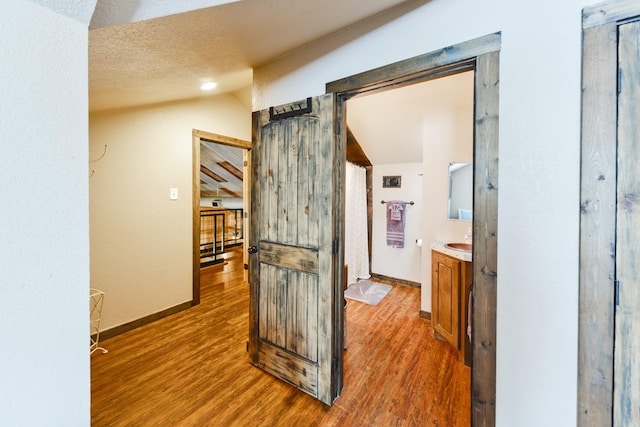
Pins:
x: 356, y: 253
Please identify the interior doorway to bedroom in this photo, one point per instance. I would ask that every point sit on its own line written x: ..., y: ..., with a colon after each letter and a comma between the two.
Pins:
x: 221, y: 197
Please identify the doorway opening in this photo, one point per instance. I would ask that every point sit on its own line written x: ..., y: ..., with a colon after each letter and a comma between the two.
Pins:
x: 416, y: 133
x: 481, y: 56
x: 221, y: 198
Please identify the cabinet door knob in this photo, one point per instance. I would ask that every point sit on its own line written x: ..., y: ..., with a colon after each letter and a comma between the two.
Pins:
x: 252, y: 249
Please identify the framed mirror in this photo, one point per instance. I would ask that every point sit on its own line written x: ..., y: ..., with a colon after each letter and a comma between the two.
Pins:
x: 460, y: 204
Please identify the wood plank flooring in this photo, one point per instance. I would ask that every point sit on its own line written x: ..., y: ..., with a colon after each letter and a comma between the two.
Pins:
x: 192, y: 369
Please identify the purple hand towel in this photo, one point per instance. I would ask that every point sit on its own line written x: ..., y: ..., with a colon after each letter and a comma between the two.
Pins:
x: 395, y: 223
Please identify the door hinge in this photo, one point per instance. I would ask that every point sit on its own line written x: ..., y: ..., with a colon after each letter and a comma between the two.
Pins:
x: 617, y: 291
x: 336, y: 246
x: 247, y: 346
x: 246, y: 215
x: 246, y: 266
x: 245, y: 163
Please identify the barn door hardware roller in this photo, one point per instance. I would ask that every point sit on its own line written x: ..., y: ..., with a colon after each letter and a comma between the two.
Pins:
x: 290, y: 110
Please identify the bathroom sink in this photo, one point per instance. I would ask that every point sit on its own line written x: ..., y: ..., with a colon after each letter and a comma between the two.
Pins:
x: 464, y: 247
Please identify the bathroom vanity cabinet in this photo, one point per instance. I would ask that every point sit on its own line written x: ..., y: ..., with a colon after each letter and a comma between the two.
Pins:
x: 450, y: 287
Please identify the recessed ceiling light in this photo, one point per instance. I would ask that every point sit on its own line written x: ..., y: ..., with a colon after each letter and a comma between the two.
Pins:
x: 208, y: 86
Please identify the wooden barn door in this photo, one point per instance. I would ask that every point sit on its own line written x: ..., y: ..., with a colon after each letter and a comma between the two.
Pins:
x: 294, y: 274
x: 609, y: 340
x: 627, y: 312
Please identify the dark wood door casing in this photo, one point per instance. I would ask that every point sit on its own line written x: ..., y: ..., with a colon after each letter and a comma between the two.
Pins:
x: 483, y: 56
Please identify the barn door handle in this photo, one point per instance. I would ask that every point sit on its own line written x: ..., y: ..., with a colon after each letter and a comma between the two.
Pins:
x: 252, y: 249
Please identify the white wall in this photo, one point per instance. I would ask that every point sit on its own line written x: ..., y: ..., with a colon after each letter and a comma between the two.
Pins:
x: 400, y: 263
x: 539, y: 172
x: 448, y: 137
x: 141, y: 242
x: 44, y: 255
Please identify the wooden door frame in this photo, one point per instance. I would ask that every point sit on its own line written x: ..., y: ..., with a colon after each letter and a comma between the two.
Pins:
x: 197, y: 137
x: 598, y: 186
x: 482, y: 56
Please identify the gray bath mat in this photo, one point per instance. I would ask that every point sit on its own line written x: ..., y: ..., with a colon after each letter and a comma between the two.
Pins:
x: 367, y: 292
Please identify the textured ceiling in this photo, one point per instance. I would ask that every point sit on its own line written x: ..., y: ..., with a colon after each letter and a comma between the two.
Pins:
x: 167, y: 58
x: 116, y: 12
x: 80, y: 10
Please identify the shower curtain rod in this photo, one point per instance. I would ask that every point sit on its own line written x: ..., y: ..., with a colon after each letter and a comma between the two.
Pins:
x: 409, y: 203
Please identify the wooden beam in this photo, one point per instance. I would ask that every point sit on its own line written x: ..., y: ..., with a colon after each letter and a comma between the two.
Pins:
x: 355, y: 153
x: 211, y: 174
x: 231, y: 169
x: 231, y: 193
x: 209, y: 193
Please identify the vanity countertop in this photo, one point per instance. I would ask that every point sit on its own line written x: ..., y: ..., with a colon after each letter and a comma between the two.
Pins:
x: 438, y: 245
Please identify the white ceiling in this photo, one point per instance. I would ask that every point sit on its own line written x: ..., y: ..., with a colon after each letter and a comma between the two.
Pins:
x: 167, y: 58
x: 389, y: 126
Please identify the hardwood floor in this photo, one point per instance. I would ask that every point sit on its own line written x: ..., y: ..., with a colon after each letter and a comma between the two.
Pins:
x: 192, y: 369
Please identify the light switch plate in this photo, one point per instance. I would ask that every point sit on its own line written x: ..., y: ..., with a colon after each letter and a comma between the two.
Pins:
x: 173, y: 193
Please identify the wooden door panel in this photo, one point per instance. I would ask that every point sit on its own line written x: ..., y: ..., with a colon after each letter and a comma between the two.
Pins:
x: 445, y: 309
x: 288, y: 317
x: 302, y: 326
x: 627, y: 317
x: 289, y: 367
x: 294, y: 304
x: 294, y: 257
x: 290, y: 209
x: 445, y: 298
